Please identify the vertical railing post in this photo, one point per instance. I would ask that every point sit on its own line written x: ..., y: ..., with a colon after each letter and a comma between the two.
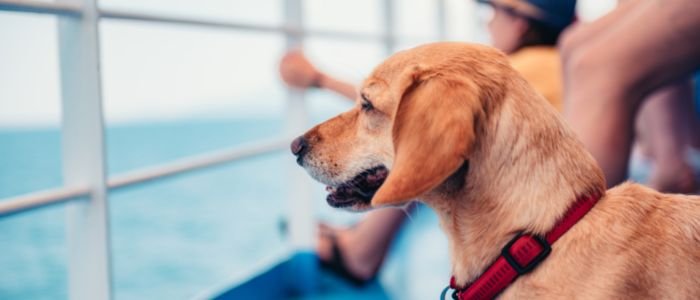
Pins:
x: 441, y: 20
x: 301, y: 218
x: 389, y: 27
x: 89, y: 268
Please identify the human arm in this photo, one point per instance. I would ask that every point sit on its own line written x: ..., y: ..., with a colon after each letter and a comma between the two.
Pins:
x: 298, y: 72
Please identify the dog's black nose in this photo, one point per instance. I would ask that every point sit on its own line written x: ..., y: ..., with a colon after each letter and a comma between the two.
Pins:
x: 299, y: 147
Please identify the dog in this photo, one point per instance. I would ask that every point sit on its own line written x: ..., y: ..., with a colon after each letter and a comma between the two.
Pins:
x: 453, y: 125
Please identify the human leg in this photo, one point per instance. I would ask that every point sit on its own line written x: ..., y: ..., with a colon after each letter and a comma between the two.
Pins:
x: 581, y: 32
x: 663, y: 129
x: 364, y: 246
x: 607, y: 78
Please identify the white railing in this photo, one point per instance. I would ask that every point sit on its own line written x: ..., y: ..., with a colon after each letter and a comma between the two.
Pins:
x: 53, y: 8
x: 83, y: 133
x: 40, y: 199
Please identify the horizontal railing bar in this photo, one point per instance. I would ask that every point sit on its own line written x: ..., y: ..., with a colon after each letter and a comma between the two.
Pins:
x: 74, y: 10
x: 53, y: 8
x: 44, y: 198
x: 41, y: 199
x: 125, y: 15
x: 196, y: 162
x: 345, y: 35
x: 147, y: 17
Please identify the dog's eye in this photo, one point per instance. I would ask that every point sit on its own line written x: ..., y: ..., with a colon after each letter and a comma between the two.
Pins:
x: 366, y: 105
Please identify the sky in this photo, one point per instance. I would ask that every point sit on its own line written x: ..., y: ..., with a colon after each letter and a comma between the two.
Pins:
x: 154, y: 72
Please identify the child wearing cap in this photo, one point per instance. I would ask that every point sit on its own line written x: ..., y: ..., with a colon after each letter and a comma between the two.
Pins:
x: 528, y: 31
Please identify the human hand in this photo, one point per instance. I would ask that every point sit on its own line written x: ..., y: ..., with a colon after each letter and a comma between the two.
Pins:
x: 297, y: 71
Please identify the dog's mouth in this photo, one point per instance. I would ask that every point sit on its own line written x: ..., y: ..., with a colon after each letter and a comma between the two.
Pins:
x: 358, y: 190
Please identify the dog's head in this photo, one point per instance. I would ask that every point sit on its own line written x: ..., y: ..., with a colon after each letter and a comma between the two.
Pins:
x: 414, y: 124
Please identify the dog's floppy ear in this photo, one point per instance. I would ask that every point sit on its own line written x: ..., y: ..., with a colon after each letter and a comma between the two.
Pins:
x: 433, y: 132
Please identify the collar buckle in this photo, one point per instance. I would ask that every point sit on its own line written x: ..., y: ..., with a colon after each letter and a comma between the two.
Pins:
x: 533, y: 262
x: 455, y: 293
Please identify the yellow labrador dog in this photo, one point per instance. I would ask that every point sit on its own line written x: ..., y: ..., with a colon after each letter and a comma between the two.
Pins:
x: 455, y: 126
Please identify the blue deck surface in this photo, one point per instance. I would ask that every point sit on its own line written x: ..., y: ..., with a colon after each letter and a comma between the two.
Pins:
x: 417, y: 268
x: 292, y: 279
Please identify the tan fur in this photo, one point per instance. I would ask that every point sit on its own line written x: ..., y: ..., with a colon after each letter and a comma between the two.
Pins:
x: 440, y: 105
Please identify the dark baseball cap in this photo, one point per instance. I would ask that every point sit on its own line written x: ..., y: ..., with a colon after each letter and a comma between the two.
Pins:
x: 555, y: 13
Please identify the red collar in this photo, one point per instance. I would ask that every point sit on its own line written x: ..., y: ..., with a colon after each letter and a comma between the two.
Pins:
x: 520, y: 256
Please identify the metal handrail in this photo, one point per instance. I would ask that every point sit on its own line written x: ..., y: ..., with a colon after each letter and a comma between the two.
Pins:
x: 52, y: 8
x: 39, y: 199
x: 196, y: 162
x: 48, y: 197
x: 160, y: 18
x: 116, y: 14
x: 176, y: 20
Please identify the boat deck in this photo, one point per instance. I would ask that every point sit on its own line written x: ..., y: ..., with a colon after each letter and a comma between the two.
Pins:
x: 417, y: 268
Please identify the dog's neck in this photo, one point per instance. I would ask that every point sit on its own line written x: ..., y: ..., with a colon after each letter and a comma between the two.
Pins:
x: 524, y: 173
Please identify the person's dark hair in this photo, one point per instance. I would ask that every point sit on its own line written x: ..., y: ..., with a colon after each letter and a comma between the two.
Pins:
x: 540, y: 34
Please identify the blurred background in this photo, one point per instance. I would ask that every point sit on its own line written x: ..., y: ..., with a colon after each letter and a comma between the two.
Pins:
x: 171, y: 91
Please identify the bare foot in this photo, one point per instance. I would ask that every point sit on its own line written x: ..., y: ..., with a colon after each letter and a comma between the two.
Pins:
x: 357, y: 258
x: 363, y: 246
x: 673, y: 179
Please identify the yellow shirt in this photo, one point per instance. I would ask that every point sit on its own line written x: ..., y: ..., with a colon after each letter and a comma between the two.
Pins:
x: 541, y: 67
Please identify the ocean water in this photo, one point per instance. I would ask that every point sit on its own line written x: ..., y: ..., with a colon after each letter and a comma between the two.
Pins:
x: 176, y: 238
x: 170, y: 239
